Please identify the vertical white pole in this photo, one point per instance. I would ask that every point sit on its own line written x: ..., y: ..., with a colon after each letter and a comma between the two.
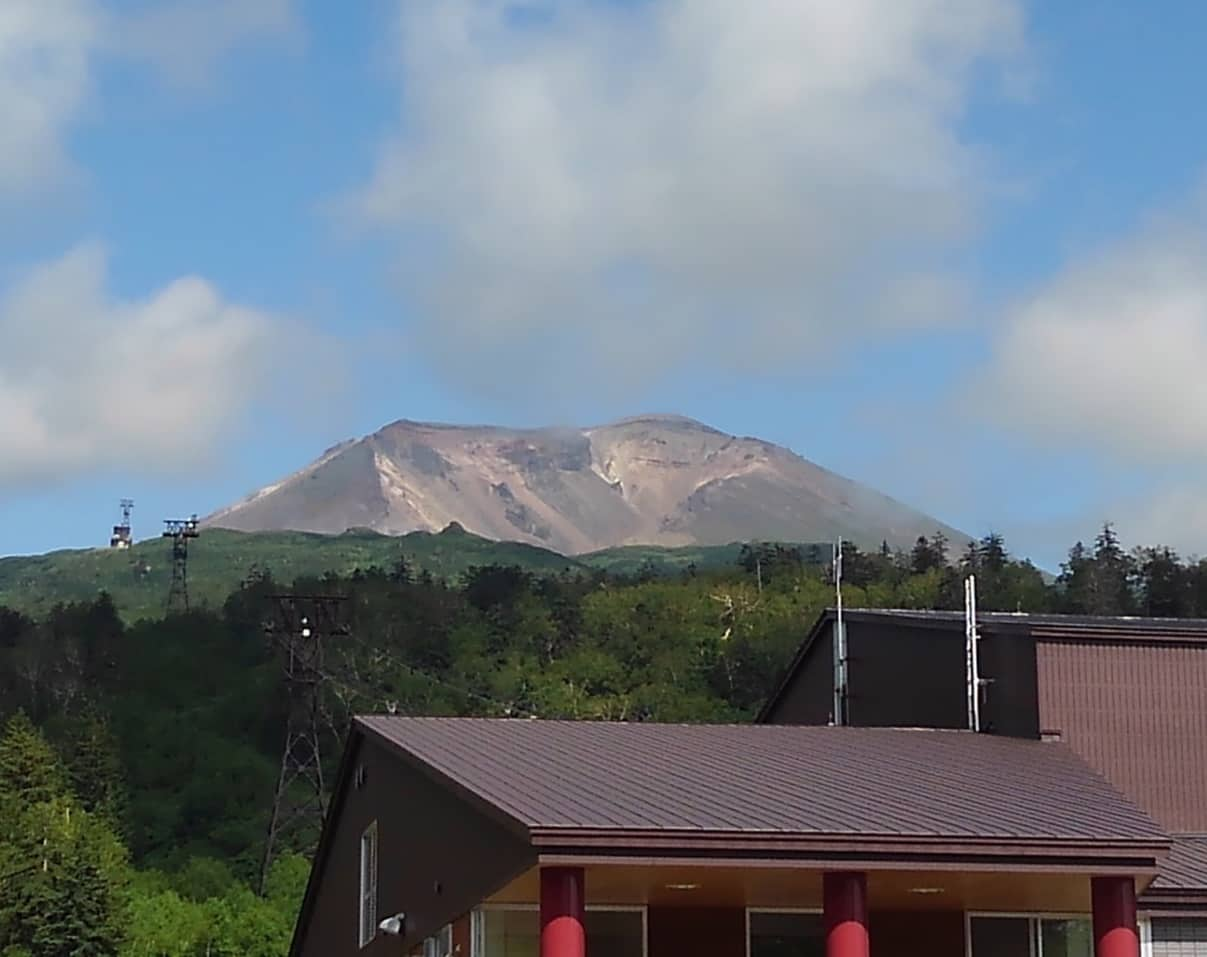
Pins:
x: 972, y: 657
x: 840, y: 644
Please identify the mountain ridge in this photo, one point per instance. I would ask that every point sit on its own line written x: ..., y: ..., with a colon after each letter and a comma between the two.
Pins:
x: 656, y: 479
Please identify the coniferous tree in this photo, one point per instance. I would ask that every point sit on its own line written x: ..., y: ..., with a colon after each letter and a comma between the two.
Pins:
x: 992, y: 552
x: 91, y: 754
x: 940, y: 546
x: 30, y: 772
x: 1110, y: 581
x: 970, y: 561
x: 1073, y: 580
x: 1162, y: 583
x: 928, y: 554
x: 68, y: 899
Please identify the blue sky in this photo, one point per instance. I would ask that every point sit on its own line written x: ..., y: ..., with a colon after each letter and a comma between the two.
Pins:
x: 955, y: 250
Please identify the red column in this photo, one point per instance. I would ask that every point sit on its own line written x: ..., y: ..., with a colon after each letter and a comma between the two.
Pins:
x: 845, y: 903
x: 1114, y: 901
x: 563, y: 905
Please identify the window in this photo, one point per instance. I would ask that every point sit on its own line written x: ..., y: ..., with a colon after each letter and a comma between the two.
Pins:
x: 1179, y: 937
x: 785, y: 934
x: 441, y: 945
x: 368, y: 884
x: 515, y: 932
x: 1020, y: 936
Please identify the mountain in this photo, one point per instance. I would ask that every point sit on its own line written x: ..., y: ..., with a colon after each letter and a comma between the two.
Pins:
x: 652, y: 480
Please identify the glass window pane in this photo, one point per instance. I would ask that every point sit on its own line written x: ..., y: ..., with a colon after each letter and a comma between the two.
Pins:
x: 1001, y: 937
x: 615, y: 933
x: 786, y: 935
x: 1066, y: 938
x: 511, y: 933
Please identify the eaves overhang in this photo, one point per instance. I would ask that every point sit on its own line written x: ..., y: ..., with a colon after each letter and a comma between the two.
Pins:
x: 811, y: 851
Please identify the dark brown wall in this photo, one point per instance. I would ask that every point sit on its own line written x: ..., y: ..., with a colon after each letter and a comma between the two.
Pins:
x: 809, y: 698
x: 909, y: 675
x: 1137, y: 712
x: 696, y: 931
x: 1011, y: 699
x: 917, y: 934
x: 902, y: 676
x: 438, y: 857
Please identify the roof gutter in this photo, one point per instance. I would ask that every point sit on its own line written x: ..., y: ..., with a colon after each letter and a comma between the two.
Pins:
x: 1139, y: 857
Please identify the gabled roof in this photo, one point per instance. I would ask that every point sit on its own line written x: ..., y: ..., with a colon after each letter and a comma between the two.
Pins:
x: 616, y: 783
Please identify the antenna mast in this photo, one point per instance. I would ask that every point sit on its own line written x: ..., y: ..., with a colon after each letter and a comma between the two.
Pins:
x: 121, y: 537
x: 840, y: 643
x: 300, y: 624
x: 180, y: 530
x: 972, y: 655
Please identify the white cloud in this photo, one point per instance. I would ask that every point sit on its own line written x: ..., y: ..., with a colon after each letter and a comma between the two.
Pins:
x: 91, y: 382
x: 1111, y: 355
x: 49, y: 50
x: 676, y: 180
x: 45, y: 47
x: 1174, y: 515
x: 1108, y: 362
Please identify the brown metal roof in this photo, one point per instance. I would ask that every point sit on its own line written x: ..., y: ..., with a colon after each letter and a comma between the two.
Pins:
x: 1096, y: 627
x: 761, y: 779
x: 1186, y: 867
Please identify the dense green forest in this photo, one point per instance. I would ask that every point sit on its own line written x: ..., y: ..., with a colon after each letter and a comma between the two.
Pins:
x: 138, y: 758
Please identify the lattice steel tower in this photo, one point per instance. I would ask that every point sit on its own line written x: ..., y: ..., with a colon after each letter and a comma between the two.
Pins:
x: 299, y: 628
x: 180, y: 530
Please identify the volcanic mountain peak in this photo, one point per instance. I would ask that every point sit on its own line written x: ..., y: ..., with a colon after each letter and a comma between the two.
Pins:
x: 653, y: 479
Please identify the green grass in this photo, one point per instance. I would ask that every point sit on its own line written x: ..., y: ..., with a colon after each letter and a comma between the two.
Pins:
x: 632, y: 559
x: 219, y: 560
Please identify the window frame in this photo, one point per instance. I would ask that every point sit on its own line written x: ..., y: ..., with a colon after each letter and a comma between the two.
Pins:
x: 367, y: 901
x: 1034, y: 937
x: 477, y: 923
x: 440, y: 944
x: 809, y: 911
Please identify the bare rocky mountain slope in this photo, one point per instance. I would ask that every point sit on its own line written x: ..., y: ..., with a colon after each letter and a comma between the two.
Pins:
x: 654, y: 480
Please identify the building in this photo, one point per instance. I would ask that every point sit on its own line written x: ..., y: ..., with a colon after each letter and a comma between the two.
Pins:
x: 1128, y: 695
x: 1039, y: 838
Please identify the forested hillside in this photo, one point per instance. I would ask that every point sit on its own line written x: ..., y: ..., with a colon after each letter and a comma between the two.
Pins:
x: 138, y: 760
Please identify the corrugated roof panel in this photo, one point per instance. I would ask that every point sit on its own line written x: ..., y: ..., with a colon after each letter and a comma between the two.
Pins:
x: 774, y: 779
x: 1186, y: 867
